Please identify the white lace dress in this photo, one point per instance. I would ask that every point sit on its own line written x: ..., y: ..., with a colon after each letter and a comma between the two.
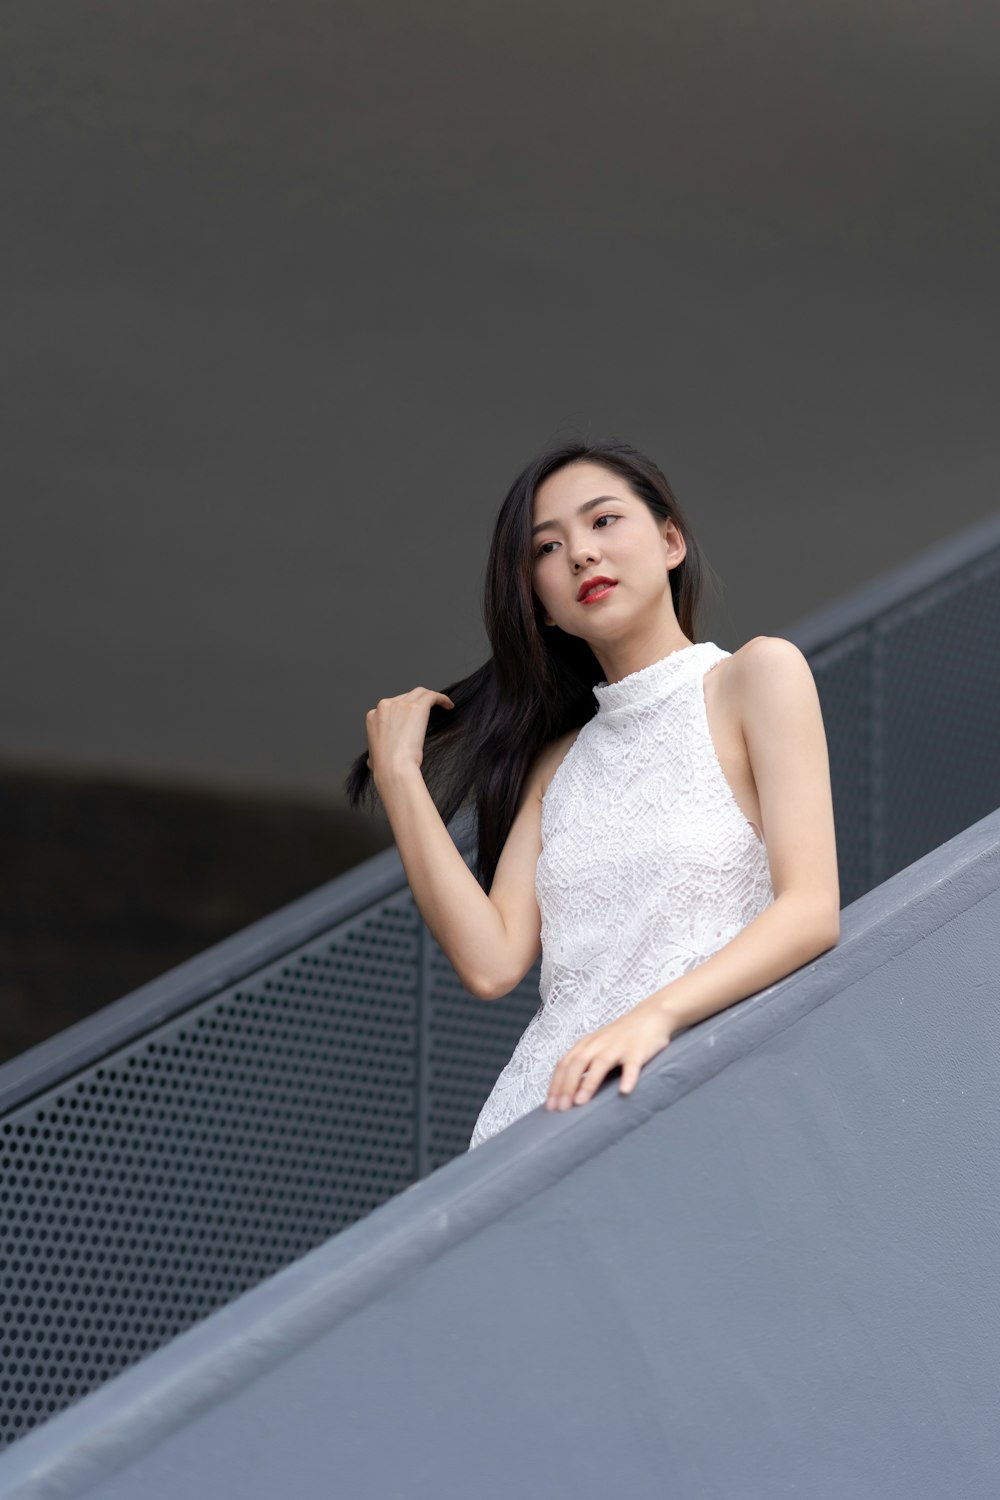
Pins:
x: 648, y: 866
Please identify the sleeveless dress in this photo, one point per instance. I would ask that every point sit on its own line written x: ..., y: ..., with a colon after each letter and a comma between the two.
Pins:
x: 648, y: 866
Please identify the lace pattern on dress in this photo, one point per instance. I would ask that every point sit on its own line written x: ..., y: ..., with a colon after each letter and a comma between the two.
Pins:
x: 648, y: 866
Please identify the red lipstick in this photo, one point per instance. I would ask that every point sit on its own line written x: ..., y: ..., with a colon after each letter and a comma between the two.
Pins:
x: 594, y: 589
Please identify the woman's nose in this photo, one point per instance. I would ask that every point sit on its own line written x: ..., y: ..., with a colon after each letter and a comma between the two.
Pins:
x: 584, y: 553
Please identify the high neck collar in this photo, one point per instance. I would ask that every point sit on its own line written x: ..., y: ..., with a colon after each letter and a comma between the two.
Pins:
x: 657, y: 681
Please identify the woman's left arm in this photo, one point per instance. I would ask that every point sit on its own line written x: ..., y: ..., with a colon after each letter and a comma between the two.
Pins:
x: 783, y: 728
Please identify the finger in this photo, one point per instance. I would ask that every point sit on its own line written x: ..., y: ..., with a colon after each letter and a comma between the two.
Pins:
x: 555, y: 1084
x: 573, y: 1076
x: 561, y: 1085
x: 593, y: 1078
x: 431, y: 693
x: 630, y: 1076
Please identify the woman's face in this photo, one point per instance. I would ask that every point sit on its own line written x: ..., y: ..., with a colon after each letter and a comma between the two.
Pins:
x: 589, y: 526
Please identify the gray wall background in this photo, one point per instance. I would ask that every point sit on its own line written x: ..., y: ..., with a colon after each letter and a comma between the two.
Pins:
x: 292, y: 291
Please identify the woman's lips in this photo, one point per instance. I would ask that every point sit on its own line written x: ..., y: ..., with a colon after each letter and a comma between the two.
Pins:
x: 598, y: 590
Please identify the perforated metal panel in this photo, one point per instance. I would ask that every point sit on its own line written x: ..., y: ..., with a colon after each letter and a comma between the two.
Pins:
x: 911, y: 705
x: 464, y: 1053
x: 158, y: 1185
x: 939, y: 687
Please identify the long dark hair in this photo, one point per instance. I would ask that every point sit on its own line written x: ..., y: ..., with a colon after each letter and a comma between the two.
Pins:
x: 538, y: 683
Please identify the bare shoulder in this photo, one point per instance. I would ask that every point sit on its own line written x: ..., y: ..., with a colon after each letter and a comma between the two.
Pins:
x: 774, y: 697
x: 768, y: 664
x: 769, y: 653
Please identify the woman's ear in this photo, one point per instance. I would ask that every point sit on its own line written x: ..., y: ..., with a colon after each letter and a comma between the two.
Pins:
x: 674, y: 544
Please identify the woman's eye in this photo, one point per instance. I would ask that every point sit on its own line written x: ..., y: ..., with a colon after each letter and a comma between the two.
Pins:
x: 542, y: 551
x: 606, y: 517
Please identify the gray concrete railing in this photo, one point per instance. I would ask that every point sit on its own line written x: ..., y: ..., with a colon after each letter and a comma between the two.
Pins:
x: 770, y: 1271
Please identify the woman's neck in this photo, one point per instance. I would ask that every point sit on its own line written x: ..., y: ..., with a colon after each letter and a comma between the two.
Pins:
x: 619, y: 658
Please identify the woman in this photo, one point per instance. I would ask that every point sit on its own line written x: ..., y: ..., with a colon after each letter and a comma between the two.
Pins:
x: 654, y: 813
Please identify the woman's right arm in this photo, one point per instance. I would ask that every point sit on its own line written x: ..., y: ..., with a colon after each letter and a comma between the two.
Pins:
x: 491, y: 940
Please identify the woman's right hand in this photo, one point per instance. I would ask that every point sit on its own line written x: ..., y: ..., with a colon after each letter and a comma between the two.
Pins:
x: 396, y: 730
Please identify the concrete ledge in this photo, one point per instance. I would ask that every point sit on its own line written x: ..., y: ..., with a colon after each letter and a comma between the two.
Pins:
x: 230, y: 1350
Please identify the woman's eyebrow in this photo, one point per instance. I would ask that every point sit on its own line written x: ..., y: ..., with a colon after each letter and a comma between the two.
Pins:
x: 581, y: 511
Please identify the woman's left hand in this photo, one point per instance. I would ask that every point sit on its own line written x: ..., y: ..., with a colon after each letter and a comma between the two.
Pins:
x: 628, y: 1042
